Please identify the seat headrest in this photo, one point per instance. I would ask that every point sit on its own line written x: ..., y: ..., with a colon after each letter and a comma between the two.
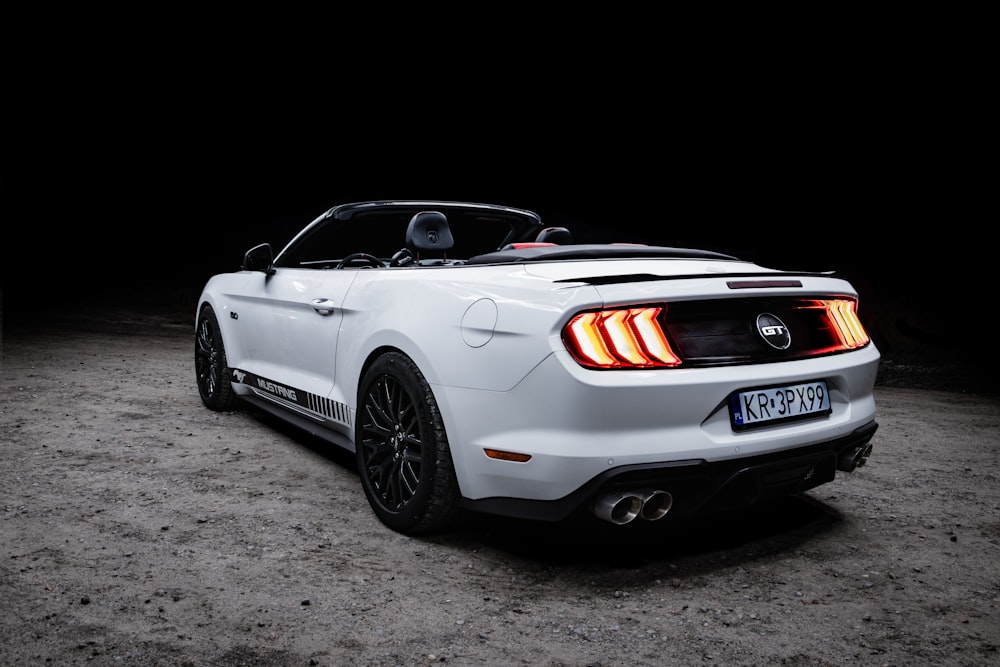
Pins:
x: 557, y: 235
x: 428, y: 231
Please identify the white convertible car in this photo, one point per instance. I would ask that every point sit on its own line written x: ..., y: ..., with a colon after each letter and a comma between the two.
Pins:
x: 474, y: 359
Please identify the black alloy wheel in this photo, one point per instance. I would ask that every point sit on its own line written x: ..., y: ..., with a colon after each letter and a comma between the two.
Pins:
x: 402, y: 450
x: 211, y: 367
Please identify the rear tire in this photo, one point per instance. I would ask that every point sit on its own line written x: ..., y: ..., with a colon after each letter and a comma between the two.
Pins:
x: 211, y: 366
x: 403, y: 455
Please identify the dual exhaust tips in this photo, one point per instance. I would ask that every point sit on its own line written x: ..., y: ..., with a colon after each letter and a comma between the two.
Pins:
x: 621, y: 507
x: 855, y: 458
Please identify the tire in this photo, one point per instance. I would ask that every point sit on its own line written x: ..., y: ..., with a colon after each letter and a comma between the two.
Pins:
x: 402, y: 450
x: 211, y: 366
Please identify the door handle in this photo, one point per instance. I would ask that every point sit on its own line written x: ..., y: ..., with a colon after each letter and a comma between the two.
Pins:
x: 323, y: 306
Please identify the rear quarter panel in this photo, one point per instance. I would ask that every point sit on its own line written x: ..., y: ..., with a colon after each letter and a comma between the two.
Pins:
x: 475, y: 327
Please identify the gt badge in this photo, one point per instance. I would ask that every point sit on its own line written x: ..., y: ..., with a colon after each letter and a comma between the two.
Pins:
x: 773, y: 331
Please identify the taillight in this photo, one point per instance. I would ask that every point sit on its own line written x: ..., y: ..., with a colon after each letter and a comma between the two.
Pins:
x: 847, y: 332
x: 845, y: 322
x: 619, y: 338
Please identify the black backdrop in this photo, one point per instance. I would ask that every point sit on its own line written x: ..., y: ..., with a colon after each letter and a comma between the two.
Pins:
x: 96, y: 216
x: 144, y: 219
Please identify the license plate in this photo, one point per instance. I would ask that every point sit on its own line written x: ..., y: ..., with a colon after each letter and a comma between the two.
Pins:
x: 765, y: 406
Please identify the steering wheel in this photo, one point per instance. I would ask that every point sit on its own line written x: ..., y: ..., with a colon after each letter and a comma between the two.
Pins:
x: 360, y: 259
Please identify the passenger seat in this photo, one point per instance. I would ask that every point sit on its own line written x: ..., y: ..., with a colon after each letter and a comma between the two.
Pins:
x: 556, y: 235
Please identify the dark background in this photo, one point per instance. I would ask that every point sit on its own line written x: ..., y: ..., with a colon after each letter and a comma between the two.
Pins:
x: 132, y: 194
x: 174, y: 209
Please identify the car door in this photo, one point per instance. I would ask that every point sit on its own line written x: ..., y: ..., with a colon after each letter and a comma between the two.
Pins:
x: 290, y: 323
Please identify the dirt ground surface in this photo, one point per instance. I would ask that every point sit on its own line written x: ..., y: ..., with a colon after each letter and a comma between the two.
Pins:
x: 140, y: 528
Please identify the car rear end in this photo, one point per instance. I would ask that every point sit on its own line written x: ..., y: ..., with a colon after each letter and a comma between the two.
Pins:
x: 673, y: 388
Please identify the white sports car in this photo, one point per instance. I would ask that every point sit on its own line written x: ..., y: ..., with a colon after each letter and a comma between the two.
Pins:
x: 474, y: 359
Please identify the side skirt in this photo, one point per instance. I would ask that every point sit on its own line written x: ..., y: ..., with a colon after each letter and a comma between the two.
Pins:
x: 306, y: 424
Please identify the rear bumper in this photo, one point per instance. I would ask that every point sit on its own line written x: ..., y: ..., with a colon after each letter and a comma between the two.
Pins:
x: 576, y: 426
x: 702, y: 487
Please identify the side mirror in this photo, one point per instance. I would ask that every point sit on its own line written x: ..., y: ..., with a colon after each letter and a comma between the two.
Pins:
x: 259, y: 258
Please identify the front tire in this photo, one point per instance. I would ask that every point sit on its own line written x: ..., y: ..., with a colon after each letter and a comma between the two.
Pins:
x: 211, y: 367
x: 403, y: 455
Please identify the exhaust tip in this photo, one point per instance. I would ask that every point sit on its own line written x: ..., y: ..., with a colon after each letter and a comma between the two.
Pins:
x: 863, y: 455
x: 854, y: 459
x: 618, y: 507
x: 655, y: 504
x: 621, y: 507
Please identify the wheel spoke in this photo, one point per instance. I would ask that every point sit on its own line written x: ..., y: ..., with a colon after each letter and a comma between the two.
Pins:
x: 394, y: 495
x: 409, y: 475
x: 204, y: 340
x: 382, y: 475
x: 375, y: 406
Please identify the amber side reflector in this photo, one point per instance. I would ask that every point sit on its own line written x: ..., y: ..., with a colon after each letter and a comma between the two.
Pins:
x: 507, y: 456
x: 619, y: 338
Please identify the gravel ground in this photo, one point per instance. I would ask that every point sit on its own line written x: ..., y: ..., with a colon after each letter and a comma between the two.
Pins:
x: 139, y: 528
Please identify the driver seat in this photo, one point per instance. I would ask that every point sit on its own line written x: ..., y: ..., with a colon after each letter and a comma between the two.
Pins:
x: 429, y: 238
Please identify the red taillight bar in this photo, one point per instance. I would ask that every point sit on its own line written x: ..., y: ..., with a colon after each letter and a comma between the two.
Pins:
x: 632, y: 338
x: 622, y: 338
x: 844, y: 318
